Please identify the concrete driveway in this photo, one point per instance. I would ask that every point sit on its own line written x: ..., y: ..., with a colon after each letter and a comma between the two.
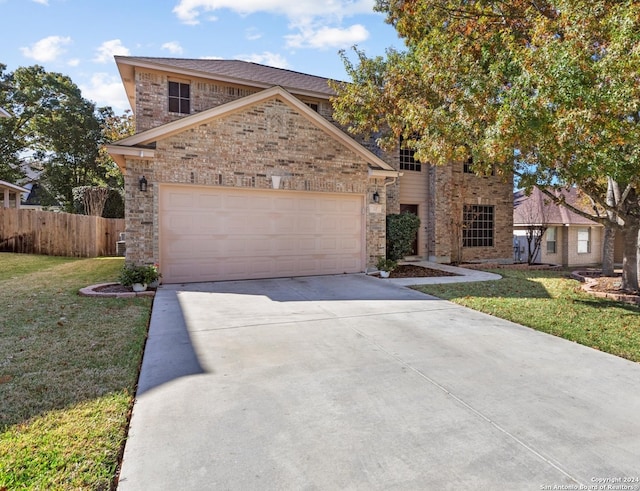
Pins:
x: 351, y: 382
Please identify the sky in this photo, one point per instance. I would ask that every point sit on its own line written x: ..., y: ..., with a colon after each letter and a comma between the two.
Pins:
x: 79, y: 38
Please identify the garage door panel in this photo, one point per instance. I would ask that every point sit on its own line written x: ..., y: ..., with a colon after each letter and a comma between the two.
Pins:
x: 308, y: 205
x: 282, y: 224
x: 179, y: 199
x: 232, y: 202
x: 211, y: 233
x: 209, y: 201
x: 349, y: 245
x: 306, y: 224
x: 284, y: 245
x: 307, y: 245
x: 329, y: 243
x: 281, y: 203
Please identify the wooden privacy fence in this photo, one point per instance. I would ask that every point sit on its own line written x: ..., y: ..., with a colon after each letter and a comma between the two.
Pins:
x: 58, y: 234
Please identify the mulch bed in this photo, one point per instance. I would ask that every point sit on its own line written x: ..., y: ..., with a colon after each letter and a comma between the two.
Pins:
x: 116, y: 288
x: 113, y: 288
x: 413, y: 271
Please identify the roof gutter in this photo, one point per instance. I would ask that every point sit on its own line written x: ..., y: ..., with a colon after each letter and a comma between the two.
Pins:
x: 384, y: 173
x: 119, y: 153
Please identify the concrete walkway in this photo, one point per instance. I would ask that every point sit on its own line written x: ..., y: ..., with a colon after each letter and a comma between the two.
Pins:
x: 352, y: 382
x: 463, y: 275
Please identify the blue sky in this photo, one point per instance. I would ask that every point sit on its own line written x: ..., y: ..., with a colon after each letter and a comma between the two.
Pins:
x: 80, y: 37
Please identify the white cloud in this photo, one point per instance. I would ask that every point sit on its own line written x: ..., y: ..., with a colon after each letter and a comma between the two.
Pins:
x: 252, y: 34
x: 106, y: 90
x: 188, y: 11
x: 42, y: 2
x: 109, y: 49
x: 173, y: 47
x: 47, y: 49
x: 266, y: 58
x: 327, y: 37
x: 73, y: 62
x: 315, y: 24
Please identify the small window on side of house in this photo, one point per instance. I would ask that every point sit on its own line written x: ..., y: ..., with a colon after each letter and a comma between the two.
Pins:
x: 584, y: 240
x: 312, y: 105
x: 551, y: 240
x: 467, y: 168
x: 179, y: 98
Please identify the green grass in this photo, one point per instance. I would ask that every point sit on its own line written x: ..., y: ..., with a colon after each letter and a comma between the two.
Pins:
x: 550, y: 302
x: 68, y: 369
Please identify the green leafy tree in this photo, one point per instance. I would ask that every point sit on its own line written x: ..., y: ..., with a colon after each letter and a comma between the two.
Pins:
x: 56, y: 132
x: 114, y: 127
x: 548, y: 89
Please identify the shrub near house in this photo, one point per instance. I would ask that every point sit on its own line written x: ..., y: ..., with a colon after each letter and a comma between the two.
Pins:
x: 144, y: 274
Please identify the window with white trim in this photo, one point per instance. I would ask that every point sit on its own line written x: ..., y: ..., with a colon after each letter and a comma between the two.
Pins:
x: 584, y: 240
x: 551, y: 240
x: 408, y: 160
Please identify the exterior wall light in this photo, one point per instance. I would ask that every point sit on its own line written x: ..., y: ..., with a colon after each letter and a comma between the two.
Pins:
x: 376, y: 197
x: 142, y: 184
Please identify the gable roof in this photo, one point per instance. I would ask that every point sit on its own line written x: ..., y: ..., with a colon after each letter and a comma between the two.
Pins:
x: 4, y: 114
x: 138, y: 145
x: 230, y: 71
x: 13, y: 187
x: 539, y: 208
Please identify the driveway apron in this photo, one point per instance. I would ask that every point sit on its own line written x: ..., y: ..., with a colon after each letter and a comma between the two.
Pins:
x: 352, y: 382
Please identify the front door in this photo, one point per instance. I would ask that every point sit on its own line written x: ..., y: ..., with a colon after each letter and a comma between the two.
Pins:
x: 411, y: 209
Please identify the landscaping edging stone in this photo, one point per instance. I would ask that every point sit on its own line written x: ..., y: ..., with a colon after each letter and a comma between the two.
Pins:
x: 586, y: 277
x: 93, y: 291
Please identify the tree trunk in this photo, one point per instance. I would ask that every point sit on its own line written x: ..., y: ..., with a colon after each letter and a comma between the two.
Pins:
x: 630, y: 260
x: 608, y: 244
x: 608, y: 240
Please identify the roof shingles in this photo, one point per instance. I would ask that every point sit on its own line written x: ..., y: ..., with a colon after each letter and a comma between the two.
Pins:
x: 548, y: 211
x: 242, y: 72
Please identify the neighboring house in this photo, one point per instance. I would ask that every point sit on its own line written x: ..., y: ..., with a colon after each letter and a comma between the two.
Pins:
x: 237, y: 170
x: 39, y: 198
x: 570, y: 239
x: 10, y: 195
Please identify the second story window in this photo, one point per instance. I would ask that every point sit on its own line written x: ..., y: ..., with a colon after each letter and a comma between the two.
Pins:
x: 408, y: 160
x: 179, y: 98
x: 467, y: 168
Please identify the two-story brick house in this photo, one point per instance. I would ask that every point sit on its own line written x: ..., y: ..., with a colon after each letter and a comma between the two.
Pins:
x: 237, y: 170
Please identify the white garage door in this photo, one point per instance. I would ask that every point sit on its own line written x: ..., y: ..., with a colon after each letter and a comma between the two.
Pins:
x: 214, y: 233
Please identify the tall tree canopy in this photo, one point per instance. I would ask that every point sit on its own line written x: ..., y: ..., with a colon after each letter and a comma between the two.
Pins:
x: 56, y: 132
x: 548, y: 89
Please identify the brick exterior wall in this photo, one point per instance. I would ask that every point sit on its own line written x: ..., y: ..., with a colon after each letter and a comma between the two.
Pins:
x: 245, y: 149
x: 450, y: 190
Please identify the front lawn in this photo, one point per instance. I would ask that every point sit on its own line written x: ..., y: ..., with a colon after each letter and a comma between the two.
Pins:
x: 549, y: 301
x: 68, y: 369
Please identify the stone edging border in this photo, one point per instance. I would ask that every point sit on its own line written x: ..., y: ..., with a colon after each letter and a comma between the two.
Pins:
x: 90, y: 291
x: 585, y: 277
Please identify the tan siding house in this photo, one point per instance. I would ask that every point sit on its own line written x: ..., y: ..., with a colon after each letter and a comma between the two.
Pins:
x: 237, y: 170
x: 570, y: 239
